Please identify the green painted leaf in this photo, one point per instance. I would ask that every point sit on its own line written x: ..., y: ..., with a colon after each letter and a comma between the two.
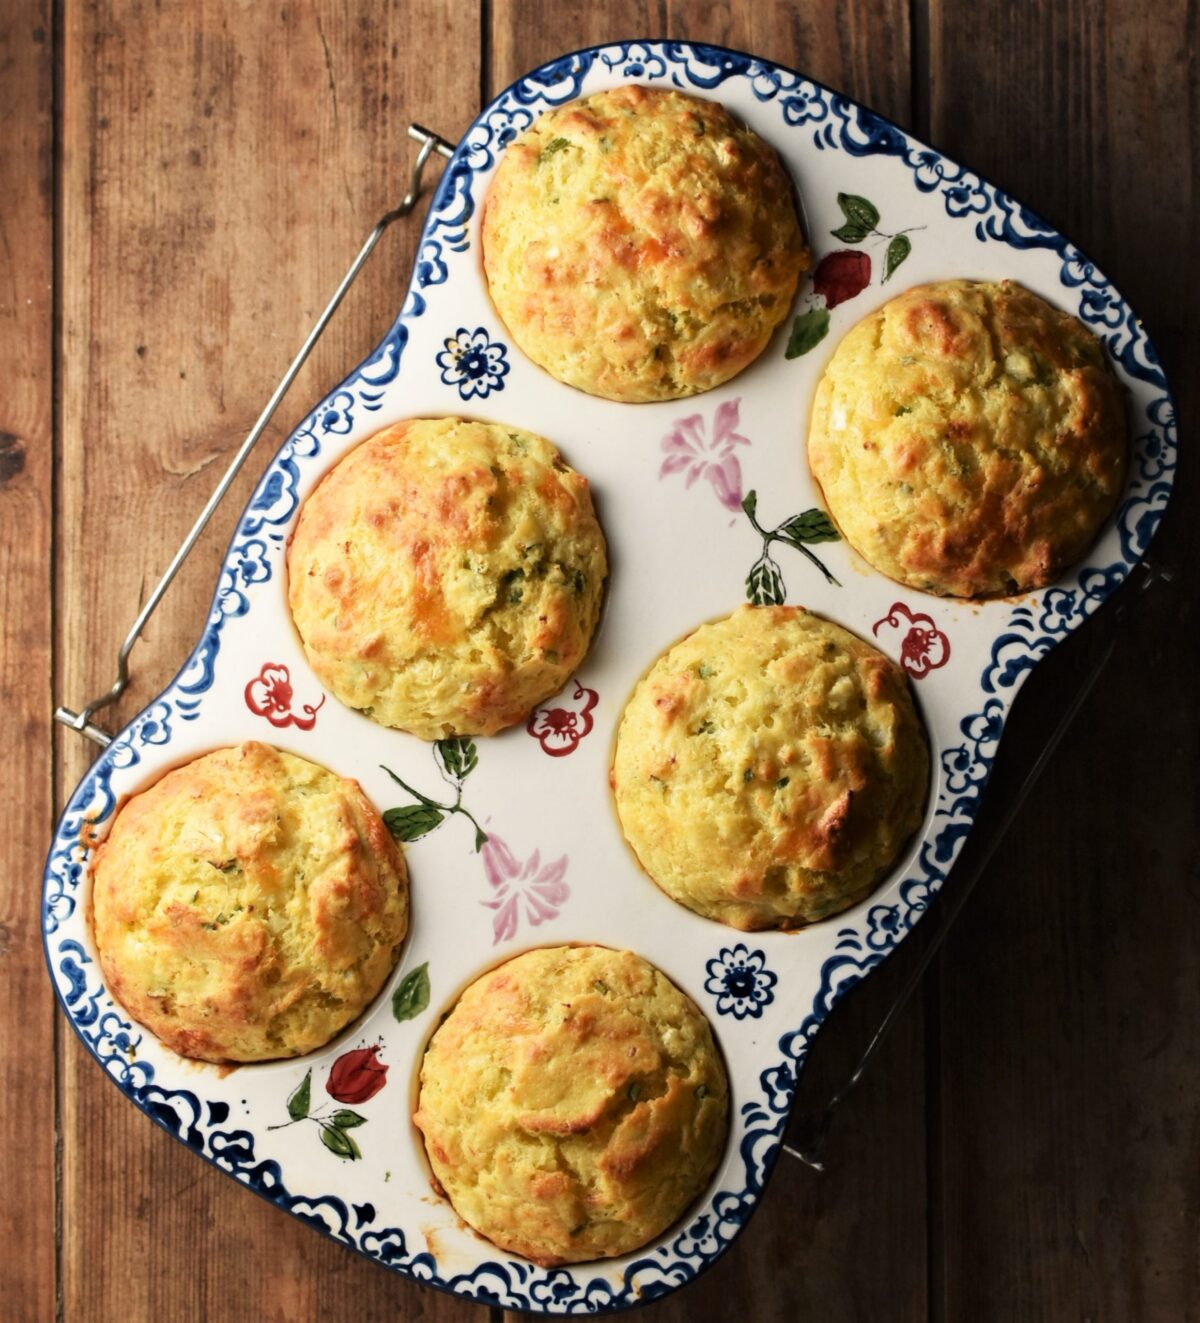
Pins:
x: 750, y: 503
x: 337, y: 1141
x: 413, y: 821
x: 851, y: 232
x: 458, y: 756
x: 808, y: 330
x: 301, y: 1097
x: 812, y: 526
x: 345, y: 1119
x: 412, y: 995
x: 858, y: 211
x: 764, y: 583
x: 481, y: 839
x: 897, y: 251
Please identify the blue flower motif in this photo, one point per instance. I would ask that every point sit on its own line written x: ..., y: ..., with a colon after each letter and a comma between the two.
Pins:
x: 336, y: 416
x: 1059, y: 608
x: 637, y: 61
x: 884, y: 926
x: 800, y: 108
x: 474, y: 363
x: 741, y: 983
x: 251, y: 560
x: 155, y: 724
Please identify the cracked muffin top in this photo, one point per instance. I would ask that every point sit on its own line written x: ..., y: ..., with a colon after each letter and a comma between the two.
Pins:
x: 641, y: 244
x: 969, y: 439
x: 248, y: 905
x: 446, y: 576
x: 770, y: 768
x: 573, y: 1104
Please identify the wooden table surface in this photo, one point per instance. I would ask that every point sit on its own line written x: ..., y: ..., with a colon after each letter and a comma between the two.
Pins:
x: 181, y: 186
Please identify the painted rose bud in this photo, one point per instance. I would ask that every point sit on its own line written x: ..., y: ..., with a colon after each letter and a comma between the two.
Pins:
x: 357, y: 1076
x: 842, y: 275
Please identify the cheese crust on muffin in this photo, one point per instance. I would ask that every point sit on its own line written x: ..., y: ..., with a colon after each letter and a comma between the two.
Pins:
x: 641, y: 245
x: 770, y: 768
x: 248, y: 905
x: 573, y: 1104
x: 446, y: 576
x: 969, y: 439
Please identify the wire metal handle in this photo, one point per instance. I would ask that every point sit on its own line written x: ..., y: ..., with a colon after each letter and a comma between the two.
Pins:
x: 81, y: 721
x: 1147, y: 576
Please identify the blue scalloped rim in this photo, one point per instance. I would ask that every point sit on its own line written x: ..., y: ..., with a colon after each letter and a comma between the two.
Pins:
x: 837, y: 124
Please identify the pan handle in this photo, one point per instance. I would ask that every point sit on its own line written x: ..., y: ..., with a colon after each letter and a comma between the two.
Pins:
x: 808, y: 1130
x: 81, y: 722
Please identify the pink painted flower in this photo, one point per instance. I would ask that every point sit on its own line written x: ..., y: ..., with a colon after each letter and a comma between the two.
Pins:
x: 923, y: 648
x: 542, y: 889
x: 269, y: 695
x: 559, y: 729
x: 688, y: 448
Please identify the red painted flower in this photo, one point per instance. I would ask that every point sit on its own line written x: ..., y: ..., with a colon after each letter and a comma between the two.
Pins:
x: 923, y: 648
x: 840, y: 276
x: 559, y: 729
x: 357, y: 1076
x: 269, y: 695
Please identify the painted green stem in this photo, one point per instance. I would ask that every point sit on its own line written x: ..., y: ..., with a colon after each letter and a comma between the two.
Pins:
x: 456, y: 807
x: 770, y: 536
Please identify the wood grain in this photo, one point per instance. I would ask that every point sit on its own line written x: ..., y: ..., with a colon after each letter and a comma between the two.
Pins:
x: 861, y: 48
x: 27, y: 1117
x: 792, y: 1260
x: 221, y: 165
x: 1070, y: 1149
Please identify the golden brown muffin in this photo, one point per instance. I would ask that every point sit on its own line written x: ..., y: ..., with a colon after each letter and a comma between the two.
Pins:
x: 446, y: 576
x: 641, y: 244
x: 969, y: 439
x: 770, y: 768
x: 248, y: 906
x: 573, y: 1104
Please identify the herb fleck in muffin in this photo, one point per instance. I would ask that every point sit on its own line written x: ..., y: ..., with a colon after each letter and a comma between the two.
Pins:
x: 446, y: 576
x: 770, y: 768
x: 969, y: 439
x: 248, y: 905
x: 641, y: 245
x: 573, y: 1104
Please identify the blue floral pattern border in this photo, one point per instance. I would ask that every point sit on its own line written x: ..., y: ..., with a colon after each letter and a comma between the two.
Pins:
x: 837, y: 124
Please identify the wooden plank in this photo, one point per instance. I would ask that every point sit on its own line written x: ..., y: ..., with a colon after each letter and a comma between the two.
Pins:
x: 27, y: 1032
x: 861, y: 49
x: 1071, y: 1007
x: 802, y: 1255
x: 221, y: 165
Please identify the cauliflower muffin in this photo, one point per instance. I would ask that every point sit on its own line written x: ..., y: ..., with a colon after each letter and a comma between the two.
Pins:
x: 573, y: 1104
x: 969, y: 439
x: 446, y: 576
x: 640, y: 244
x: 248, y: 905
x: 770, y: 768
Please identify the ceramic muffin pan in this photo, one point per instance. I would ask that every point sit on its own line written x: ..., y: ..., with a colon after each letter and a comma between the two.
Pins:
x: 699, y: 500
